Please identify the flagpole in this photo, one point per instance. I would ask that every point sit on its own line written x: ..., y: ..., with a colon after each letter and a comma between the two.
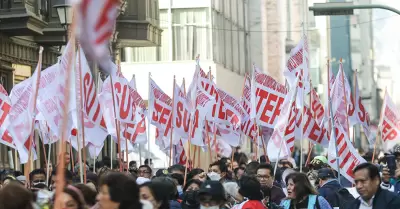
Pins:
x: 310, y: 145
x: 172, y: 125
x: 116, y: 124
x: 345, y: 98
x: 148, y: 124
x: 37, y: 82
x: 81, y: 132
x: 48, y: 165
x: 126, y: 151
x: 334, y: 138
x: 379, y: 126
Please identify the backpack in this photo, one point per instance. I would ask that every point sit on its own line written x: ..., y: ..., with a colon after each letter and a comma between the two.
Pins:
x: 344, y: 198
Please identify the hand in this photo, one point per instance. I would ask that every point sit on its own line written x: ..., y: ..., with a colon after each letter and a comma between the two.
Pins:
x: 397, y: 173
x: 385, y: 175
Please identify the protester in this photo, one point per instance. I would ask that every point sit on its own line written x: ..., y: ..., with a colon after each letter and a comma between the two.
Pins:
x: 189, y: 197
x: 36, y: 177
x: 251, y: 191
x: 251, y: 168
x: 15, y: 196
x: 192, y: 185
x: 265, y: 175
x: 145, y: 171
x: 301, y: 194
x: 179, y: 169
x: 72, y: 198
x: 154, y: 192
x: 197, y: 173
x: 232, y: 193
x: 212, y: 195
x: 239, y: 172
x: 171, y: 190
x: 367, y: 180
x: 119, y: 191
x: 218, y: 171
x: 331, y: 190
x: 88, y: 193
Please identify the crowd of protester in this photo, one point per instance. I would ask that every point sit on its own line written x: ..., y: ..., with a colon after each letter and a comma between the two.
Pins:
x: 229, y: 183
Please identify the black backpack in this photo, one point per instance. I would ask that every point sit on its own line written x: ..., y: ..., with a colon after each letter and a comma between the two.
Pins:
x: 344, y: 198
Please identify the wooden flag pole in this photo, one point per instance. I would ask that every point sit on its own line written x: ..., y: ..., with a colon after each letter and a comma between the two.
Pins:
x: 64, y: 130
x: 81, y: 132
x: 35, y: 94
x: 172, y: 126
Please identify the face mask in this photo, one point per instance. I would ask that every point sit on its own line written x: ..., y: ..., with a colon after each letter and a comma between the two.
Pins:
x: 214, y: 176
x: 179, y: 188
x: 211, y: 207
x: 189, y: 198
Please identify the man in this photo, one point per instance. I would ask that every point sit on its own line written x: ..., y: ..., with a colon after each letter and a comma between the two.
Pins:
x: 239, y: 172
x: 177, y: 168
x: 368, y: 180
x: 211, y: 195
x: 331, y: 190
x: 132, y: 165
x: 218, y: 171
x: 251, y: 168
x: 149, y: 162
x: 265, y: 175
x: 145, y: 171
x: 37, y: 177
x: 68, y: 176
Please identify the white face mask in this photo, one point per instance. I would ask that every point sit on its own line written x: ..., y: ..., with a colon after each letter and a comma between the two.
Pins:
x: 179, y: 188
x: 211, y: 207
x: 214, y: 176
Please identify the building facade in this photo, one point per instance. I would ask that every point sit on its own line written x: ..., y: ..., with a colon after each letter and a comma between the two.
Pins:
x: 26, y: 25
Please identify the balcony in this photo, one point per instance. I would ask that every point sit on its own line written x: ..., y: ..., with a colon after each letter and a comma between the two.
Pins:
x: 22, y: 18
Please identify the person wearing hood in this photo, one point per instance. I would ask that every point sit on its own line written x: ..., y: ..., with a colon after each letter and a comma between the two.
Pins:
x: 329, y: 188
x: 189, y: 197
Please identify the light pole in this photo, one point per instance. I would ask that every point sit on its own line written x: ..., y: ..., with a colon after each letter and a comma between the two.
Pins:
x: 345, y: 8
x: 64, y: 11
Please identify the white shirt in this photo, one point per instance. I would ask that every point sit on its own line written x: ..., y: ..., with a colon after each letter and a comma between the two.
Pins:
x: 366, y: 205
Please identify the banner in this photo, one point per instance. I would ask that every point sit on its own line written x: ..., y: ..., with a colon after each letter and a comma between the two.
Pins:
x: 348, y: 155
x: 390, y: 124
x: 5, y: 107
x: 269, y: 97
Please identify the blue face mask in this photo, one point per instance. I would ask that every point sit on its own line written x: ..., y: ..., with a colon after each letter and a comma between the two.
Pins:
x: 180, y: 190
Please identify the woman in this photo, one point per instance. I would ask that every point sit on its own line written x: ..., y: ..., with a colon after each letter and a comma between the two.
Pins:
x: 301, y: 194
x: 170, y: 186
x: 189, y: 198
x: 118, y: 191
x: 72, y: 198
x: 15, y: 196
x: 154, y: 192
x: 88, y: 193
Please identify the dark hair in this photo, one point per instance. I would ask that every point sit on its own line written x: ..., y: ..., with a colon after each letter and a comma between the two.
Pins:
x: 192, y: 181
x: 266, y: 166
x: 36, y: 172
x: 263, y: 159
x: 176, y: 167
x: 123, y: 189
x: 251, y: 168
x: 303, y: 186
x: 88, y: 194
x: 158, y: 189
x: 373, y: 171
x: 146, y: 161
x: 169, y: 186
x: 106, y: 162
x: 147, y: 167
x: 15, y: 196
x: 178, y: 177
x: 221, y: 165
x: 68, y: 175
x: 235, y: 171
x: 76, y: 194
x: 194, y: 172
x: 250, y: 188
x: 131, y: 163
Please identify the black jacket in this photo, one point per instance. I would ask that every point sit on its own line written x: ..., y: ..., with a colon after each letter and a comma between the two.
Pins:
x: 328, y: 191
x: 383, y: 199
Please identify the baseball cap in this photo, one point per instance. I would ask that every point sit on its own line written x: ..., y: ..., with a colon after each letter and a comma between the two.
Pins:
x: 214, y: 189
x: 326, y: 173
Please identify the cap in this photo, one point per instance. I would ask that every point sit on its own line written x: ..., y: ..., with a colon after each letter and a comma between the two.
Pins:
x: 162, y: 172
x: 326, y: 173
x: 214, y: 189
x: 321, y: 158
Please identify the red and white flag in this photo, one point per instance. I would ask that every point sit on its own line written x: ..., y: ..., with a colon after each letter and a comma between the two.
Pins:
x: 389, y: 126
x: 341, y: 95
x: 96, y: 21
x: 358, y: 114
x: 23, y: 112
x: 348, y: 155
x: 317, y: 109
x: 5, y: 107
